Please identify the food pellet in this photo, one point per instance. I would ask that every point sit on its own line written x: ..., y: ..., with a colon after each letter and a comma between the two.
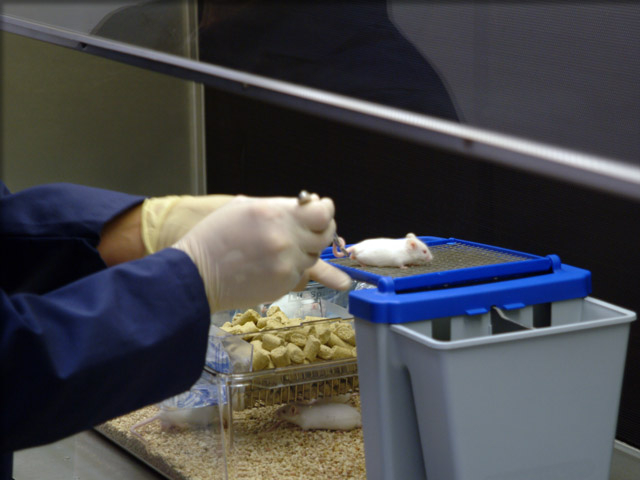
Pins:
x: 303, y: 341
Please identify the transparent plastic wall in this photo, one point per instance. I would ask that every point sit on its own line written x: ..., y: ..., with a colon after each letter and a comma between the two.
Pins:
x: 72, y: 117
x: 562, y: 73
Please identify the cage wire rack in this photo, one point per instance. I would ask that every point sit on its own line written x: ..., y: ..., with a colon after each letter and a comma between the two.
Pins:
x: 300, y: 383
x: 305, y: 383
x: 455, y: 262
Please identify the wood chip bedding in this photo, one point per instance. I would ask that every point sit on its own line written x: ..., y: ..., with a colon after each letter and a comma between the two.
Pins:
x: 259, y: 452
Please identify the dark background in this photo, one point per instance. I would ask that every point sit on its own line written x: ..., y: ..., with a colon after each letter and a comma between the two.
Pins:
x: 383, y: 186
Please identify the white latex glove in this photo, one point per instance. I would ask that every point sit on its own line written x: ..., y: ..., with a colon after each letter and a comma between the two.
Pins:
x: 255, y: 250
x: 165, y: 220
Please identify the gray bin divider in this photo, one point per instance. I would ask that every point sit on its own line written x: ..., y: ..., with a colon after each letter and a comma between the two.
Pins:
x: 540, y: 403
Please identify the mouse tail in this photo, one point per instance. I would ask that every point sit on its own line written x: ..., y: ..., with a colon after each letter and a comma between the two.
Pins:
x: 275, y: 425
x: 134, y: 429
x: 338, y: 247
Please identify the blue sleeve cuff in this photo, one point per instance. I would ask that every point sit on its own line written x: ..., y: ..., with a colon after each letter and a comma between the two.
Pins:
x: 100, y: 347
x: 62, y: 209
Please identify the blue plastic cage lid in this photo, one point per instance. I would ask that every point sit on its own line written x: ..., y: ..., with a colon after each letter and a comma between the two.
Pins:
x: 454, y: 262
x: 464, y: 278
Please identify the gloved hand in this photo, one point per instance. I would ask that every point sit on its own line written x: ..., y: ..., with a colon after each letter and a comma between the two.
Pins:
x: 255, y: 250
x: 165, y: 220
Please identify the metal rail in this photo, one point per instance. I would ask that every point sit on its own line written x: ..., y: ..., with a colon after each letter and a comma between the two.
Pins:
x: 605, y: 174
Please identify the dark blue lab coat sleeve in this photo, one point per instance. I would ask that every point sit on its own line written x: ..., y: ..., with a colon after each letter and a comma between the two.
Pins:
x: 49, y: 234
x: 105, y: 343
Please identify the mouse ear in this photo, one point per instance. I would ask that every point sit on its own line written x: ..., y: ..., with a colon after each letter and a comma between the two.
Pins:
x: 412, y: 243
x: 293, y: 409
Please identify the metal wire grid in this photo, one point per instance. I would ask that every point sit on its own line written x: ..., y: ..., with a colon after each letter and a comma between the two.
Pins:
x: 447, y: 256
x: 256, y: 395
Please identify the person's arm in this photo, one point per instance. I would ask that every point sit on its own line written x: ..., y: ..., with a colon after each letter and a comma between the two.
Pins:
x: 121, y: 238
x: 81, y: 343
x: 66, y: 231
x: 133, y: 334
x: 100, y: 347
x: 49, y: 234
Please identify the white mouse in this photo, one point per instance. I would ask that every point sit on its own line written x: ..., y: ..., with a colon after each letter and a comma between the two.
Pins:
x: 321, y: 416
x: 389, y: 252
x: 173, y: 417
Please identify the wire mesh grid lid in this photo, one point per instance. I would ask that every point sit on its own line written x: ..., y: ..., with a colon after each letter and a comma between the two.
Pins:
x: 454, y: 262
x: 464, y: 278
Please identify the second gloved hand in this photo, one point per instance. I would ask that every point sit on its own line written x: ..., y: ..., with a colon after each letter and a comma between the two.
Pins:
x: 165, y: 220
x: 255, y: 250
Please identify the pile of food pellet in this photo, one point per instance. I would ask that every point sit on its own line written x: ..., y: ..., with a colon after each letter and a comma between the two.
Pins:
x: 280, y: 341
x: 260, y: 451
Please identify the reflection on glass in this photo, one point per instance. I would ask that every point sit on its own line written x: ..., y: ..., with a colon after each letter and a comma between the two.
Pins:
x: 162, y: 25
x: 563, y: 73
x: 74, y: 16
x: 351, y: 48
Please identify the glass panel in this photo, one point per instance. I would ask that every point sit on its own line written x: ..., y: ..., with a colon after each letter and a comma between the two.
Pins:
x: 558, y: 72
x: 72, y: 117
x: 351, y: 48
x: 73, y: 16
x: 563, y: 73
x: 165, y: 26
